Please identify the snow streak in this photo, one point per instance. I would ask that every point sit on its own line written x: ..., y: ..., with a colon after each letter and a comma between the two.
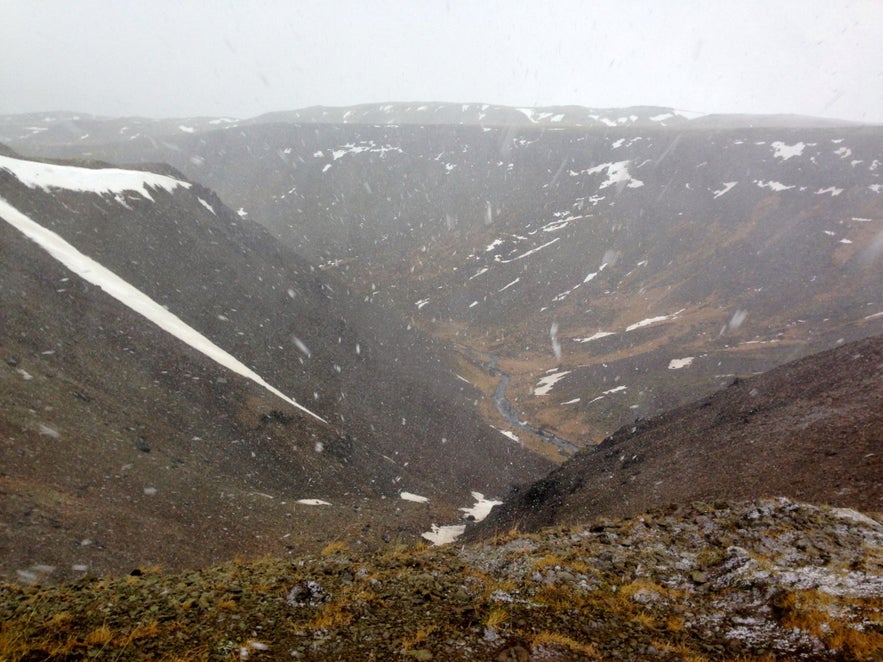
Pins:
x: 131, y: 297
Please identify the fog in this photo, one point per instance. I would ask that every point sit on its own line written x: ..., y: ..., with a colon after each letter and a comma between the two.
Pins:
x: 174, y: 59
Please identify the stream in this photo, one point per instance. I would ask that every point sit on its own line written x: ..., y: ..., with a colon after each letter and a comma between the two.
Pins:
x: 507, y: 411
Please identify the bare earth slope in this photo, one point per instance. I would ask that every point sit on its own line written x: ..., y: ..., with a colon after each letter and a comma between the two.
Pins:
x: 811, y: 429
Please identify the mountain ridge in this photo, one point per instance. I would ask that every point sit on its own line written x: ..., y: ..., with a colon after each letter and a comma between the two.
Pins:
x: 60, y: 127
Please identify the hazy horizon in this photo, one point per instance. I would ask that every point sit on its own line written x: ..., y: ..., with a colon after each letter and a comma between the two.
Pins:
x: 171, y: 59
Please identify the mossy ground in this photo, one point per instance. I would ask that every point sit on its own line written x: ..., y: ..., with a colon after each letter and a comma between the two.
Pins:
x: 752, y: 581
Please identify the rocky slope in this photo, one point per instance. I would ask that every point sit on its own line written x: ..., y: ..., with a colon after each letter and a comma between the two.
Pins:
x: 767, y: 579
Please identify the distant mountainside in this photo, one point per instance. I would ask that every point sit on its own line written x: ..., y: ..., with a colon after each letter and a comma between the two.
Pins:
x: 664, y: 260
x: 481, y: 114
x: 123, y: 442
x: 64, y: 127
x: 810, y: 430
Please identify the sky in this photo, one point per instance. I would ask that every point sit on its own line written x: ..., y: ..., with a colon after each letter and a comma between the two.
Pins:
x: 182, y: 58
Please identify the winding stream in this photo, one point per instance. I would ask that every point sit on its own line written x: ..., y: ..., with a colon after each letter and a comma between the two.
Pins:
x: 507, y: 411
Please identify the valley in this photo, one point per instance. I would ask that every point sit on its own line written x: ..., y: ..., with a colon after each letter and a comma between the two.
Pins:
x: 483, y: 331
x: 725, y: 246
x: 376, y: 321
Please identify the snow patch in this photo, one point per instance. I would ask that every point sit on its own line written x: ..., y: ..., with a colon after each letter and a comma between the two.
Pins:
x: 727, y: 187
x: 313, y: 502
x: 772, y: 185
x: 785, y: 152
x: 653, y: 320
x: 677, y: 364
x: 528, y: 253
x: 46, y: 431
x: 416, y: 498
x: 661, y: 117
x: 482, y: 507
x: 596, y: 336
x: 546, y: 383
x: 206, y: 205
x: 617, y: 173
x: 443, y: 535
x: 87, y: 180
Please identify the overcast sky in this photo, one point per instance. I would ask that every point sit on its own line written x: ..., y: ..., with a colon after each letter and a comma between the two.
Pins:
x: 176, y: 58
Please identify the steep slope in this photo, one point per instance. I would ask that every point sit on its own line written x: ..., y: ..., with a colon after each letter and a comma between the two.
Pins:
x: 116, y: 431
x: 811, y: 429
x: 665, y: 259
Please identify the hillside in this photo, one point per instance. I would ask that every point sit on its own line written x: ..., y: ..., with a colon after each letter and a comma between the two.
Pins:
x: 810, y: 430
x: 124, y: 444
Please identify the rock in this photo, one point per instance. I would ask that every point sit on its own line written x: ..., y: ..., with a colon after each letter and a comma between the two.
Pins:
x: 308, y: 593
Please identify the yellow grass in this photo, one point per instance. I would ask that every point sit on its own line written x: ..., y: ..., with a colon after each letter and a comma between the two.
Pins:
x: 555, y: 639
